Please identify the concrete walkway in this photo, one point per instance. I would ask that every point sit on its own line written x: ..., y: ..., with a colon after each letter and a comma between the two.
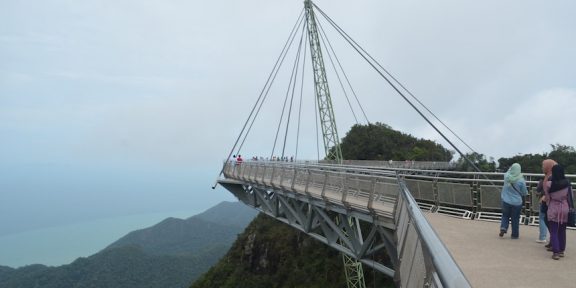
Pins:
x: 490, y: 261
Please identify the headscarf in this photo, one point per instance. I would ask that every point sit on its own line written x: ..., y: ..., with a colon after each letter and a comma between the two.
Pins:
x: 547, y: 168
x: 558, y: 178
x: 513, y: 174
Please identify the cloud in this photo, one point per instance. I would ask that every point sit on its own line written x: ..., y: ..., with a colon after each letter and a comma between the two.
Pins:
x: 527, y: 126
x: 533, y: 124
x: 169, y: 84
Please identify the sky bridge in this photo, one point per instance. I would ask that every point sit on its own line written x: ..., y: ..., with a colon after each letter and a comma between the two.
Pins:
x: 437, y: 228
x: 403, y: 219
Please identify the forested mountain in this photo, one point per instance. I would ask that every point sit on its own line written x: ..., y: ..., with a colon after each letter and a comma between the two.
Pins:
x: 219, y: 225
x: 172, y: 253
x: 127, y: 266
x: 271, y: 254
x: 380, y: 142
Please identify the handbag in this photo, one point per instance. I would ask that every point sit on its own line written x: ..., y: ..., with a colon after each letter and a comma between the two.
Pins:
x: 521, y: 196
x: 571, y: 213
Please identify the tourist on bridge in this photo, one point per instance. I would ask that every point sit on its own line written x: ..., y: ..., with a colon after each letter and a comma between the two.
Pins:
x: 556, y: 194
x: 542, y: 218
x: 512, y: 196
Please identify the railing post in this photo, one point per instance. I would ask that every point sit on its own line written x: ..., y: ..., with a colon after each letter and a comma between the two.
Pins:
x: 308, y: 176
x: 253, y: 169
x: 475, y: 193
x: 272, y: 176
x: 370, y: 205
x: 238, y: 169
x: 245, y: 171
x: 345, y: 190
x: 294, y: 178
x: 323, y: 194
x: 281, y: 176
x: 264, y: 173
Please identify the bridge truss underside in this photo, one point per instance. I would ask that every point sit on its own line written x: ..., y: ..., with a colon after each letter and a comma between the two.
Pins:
x: 317, y: 219
x: 389, y: 233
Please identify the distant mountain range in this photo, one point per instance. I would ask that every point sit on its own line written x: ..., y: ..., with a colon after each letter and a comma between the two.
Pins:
x: 172, y: 253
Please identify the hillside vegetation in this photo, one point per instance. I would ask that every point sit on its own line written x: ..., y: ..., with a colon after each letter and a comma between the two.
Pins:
x: 170, y: 254
x: 274, y: 255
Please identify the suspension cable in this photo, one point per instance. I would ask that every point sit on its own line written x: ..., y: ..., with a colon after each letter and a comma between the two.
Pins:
x: 348, y: 38
x: 292, y: 76
x: 296, y: 65
x: 324, y: 36
x: 337, y: 74
x: 301, y: 96
x: 260, y: 99
x: 268, y: 85
x: 354, y: 45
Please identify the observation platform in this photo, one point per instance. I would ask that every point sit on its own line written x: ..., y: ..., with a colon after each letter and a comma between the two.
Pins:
x: 490, y: 261
x: 439, y: 228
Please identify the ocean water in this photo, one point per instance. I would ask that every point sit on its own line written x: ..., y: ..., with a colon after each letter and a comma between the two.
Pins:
x: 61, y: 245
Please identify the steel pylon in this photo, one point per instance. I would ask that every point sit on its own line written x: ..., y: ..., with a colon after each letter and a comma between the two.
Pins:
x: 352, y: 267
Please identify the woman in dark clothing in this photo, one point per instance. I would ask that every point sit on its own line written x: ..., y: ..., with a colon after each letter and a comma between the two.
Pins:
x: 543, y: 226
x: 557, y: 200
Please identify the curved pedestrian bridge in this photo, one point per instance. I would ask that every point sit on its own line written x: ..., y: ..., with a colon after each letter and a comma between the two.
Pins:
x: 422, y: 226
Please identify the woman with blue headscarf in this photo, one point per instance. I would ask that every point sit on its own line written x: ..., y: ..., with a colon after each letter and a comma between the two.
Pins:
x: 512, y: 196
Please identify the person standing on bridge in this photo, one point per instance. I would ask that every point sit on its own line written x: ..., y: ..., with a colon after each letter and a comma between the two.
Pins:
x: 512, y: 196
x: 542, y: 218
x: 557, y: 199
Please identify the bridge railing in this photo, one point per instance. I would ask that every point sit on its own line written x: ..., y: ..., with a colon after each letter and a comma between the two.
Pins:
x: 359, y: 189
x: 425, y: 261
x: 470, y: 195
x: 428, y: 165
x: 466, y: 194
x: 422, y: 260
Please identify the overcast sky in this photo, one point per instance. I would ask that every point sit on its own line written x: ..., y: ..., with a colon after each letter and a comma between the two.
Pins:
x: 117, y: 108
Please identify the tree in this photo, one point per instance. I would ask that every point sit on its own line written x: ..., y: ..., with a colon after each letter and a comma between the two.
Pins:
x: 532, y: 163
x: 380, y: 142
x: 479, y: 160
x: 564, y: 155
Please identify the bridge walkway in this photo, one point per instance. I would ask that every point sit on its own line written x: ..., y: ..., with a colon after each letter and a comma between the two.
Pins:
x: 300, y: 194
x: 490, y: 261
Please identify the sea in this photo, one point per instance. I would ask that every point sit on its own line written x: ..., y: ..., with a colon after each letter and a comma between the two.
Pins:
x: 60, y: 245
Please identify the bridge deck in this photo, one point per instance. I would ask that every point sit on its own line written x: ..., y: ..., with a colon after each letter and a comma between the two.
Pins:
x: 284, y: 189
x: 490, y: 261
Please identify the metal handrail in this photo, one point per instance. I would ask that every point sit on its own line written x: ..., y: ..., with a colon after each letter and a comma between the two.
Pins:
x: 323, y: 164
x: 448, y: 270
x: 444, y: 271
x: 439, y: 175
